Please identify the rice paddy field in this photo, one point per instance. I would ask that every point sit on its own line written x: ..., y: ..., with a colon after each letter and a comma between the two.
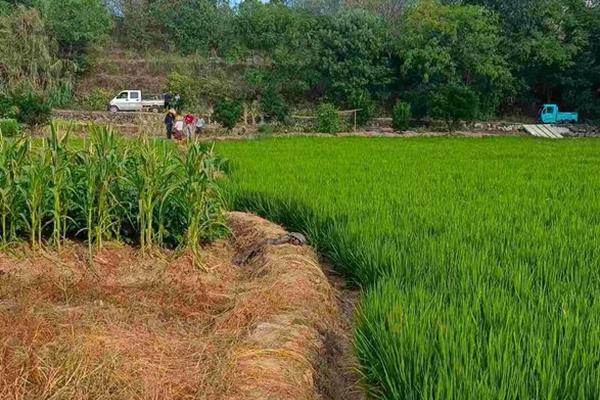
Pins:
x: 479, y: 258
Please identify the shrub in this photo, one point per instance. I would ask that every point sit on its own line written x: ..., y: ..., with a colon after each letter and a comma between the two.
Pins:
x: 7, y: 107
x: 33, y: 109
x: 328, y: 119
x: 9, y: 127
x: 274, y: 106
x: 401, y: 115
x: 228, y: 113
x: 454, y: 103
x: 95, y: 100
x: 366, y: 105
x: 266, y: 130
x: 185, y: 86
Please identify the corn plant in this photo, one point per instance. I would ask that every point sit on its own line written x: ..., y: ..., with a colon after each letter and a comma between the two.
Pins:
x: 60, y: 187
x: 12, y: 156
x: 141, y: 191
x: 154, y: 178
x: 203, y: 199
x: 33, y: 187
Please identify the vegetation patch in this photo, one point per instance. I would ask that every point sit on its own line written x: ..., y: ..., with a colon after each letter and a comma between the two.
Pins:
x: 478, y: 257
x: 156, y: 326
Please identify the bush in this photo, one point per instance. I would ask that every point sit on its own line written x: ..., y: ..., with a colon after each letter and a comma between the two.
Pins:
x: 95, y: 100
x: 185, y: 87
x: 454, y: 103
x: 9, y: 127
x: 274, y: 106
x: 33, y: 109
x: 228, y: 113
x: 366, y: 105
x: 7, y: 107
x: 328, y: 119
x: 401, y: 115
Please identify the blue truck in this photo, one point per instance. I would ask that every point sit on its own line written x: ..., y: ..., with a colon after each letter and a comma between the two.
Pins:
x: 550, y: 114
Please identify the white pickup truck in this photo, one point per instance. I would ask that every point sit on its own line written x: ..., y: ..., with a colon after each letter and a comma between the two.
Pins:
x: 132, y: 100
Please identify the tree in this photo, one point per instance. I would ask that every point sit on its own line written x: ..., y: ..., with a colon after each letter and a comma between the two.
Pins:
x: 196, y: 26
x: 353, y: 57
x: 76, y: 24
x: 273, y: 105
x: 453, y: 103
x: 543, y: 39
x: 28, y: 55
x: 443, y: 44
x: 228, y: 113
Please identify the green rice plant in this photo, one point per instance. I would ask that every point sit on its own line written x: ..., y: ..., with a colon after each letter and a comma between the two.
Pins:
x: 477, y: 259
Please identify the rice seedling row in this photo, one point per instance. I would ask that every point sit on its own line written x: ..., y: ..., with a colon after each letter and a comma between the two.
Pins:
x: 479, y: 259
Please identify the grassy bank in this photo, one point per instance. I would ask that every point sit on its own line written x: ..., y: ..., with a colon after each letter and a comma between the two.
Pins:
x: 479, y: 258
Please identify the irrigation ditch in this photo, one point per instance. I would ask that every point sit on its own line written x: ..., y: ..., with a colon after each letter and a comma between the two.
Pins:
x: 269, y: 325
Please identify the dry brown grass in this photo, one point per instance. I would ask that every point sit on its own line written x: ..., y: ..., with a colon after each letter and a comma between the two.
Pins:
x: 158, y: 328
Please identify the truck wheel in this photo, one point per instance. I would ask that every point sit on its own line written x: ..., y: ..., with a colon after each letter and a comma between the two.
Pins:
x: 113, y: 109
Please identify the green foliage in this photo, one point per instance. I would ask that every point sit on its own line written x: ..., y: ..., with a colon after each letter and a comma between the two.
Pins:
x: 362, y: 101
x: 401, y: 115
x: 7, y: 107
x: 9, y: 127
x: 453, y: 103
x: 228, y: 113
x: 33, y: 109
x: 328, y: 119
x: 95, y: 100
x: 76, y: 24
x: 196, y: 26
x: 442, y: 44
x: 353, y: 56
x: 273, y: 105
x: 28, y: 56
x: 465, y: 295
x: 108, y: 189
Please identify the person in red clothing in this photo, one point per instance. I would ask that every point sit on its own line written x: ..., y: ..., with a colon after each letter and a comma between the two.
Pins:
x: 189, y: 125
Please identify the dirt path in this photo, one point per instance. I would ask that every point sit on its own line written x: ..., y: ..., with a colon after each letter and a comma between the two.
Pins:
x: 156, y: 327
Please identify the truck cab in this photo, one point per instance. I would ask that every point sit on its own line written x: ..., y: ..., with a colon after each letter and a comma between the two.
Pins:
x: 127, y: 100
x: 131, y: 100
x: 550, y: 114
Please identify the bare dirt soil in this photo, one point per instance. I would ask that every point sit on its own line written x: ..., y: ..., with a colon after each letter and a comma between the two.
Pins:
x: 155, y: 327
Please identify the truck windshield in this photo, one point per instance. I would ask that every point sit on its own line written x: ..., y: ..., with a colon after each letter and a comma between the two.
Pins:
x: 122, y: 95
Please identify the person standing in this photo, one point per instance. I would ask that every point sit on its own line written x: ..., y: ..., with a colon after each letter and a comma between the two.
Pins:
x: 200, y: 126
x: 169, y: 121
x: 178, y: 128
x: 189, y: 125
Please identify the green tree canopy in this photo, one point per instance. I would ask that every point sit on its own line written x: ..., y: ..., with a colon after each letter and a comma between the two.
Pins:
x: 443, y: 44
x: 76, y: 23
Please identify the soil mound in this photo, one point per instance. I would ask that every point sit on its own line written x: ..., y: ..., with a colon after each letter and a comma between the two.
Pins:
x: 136, y: 326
